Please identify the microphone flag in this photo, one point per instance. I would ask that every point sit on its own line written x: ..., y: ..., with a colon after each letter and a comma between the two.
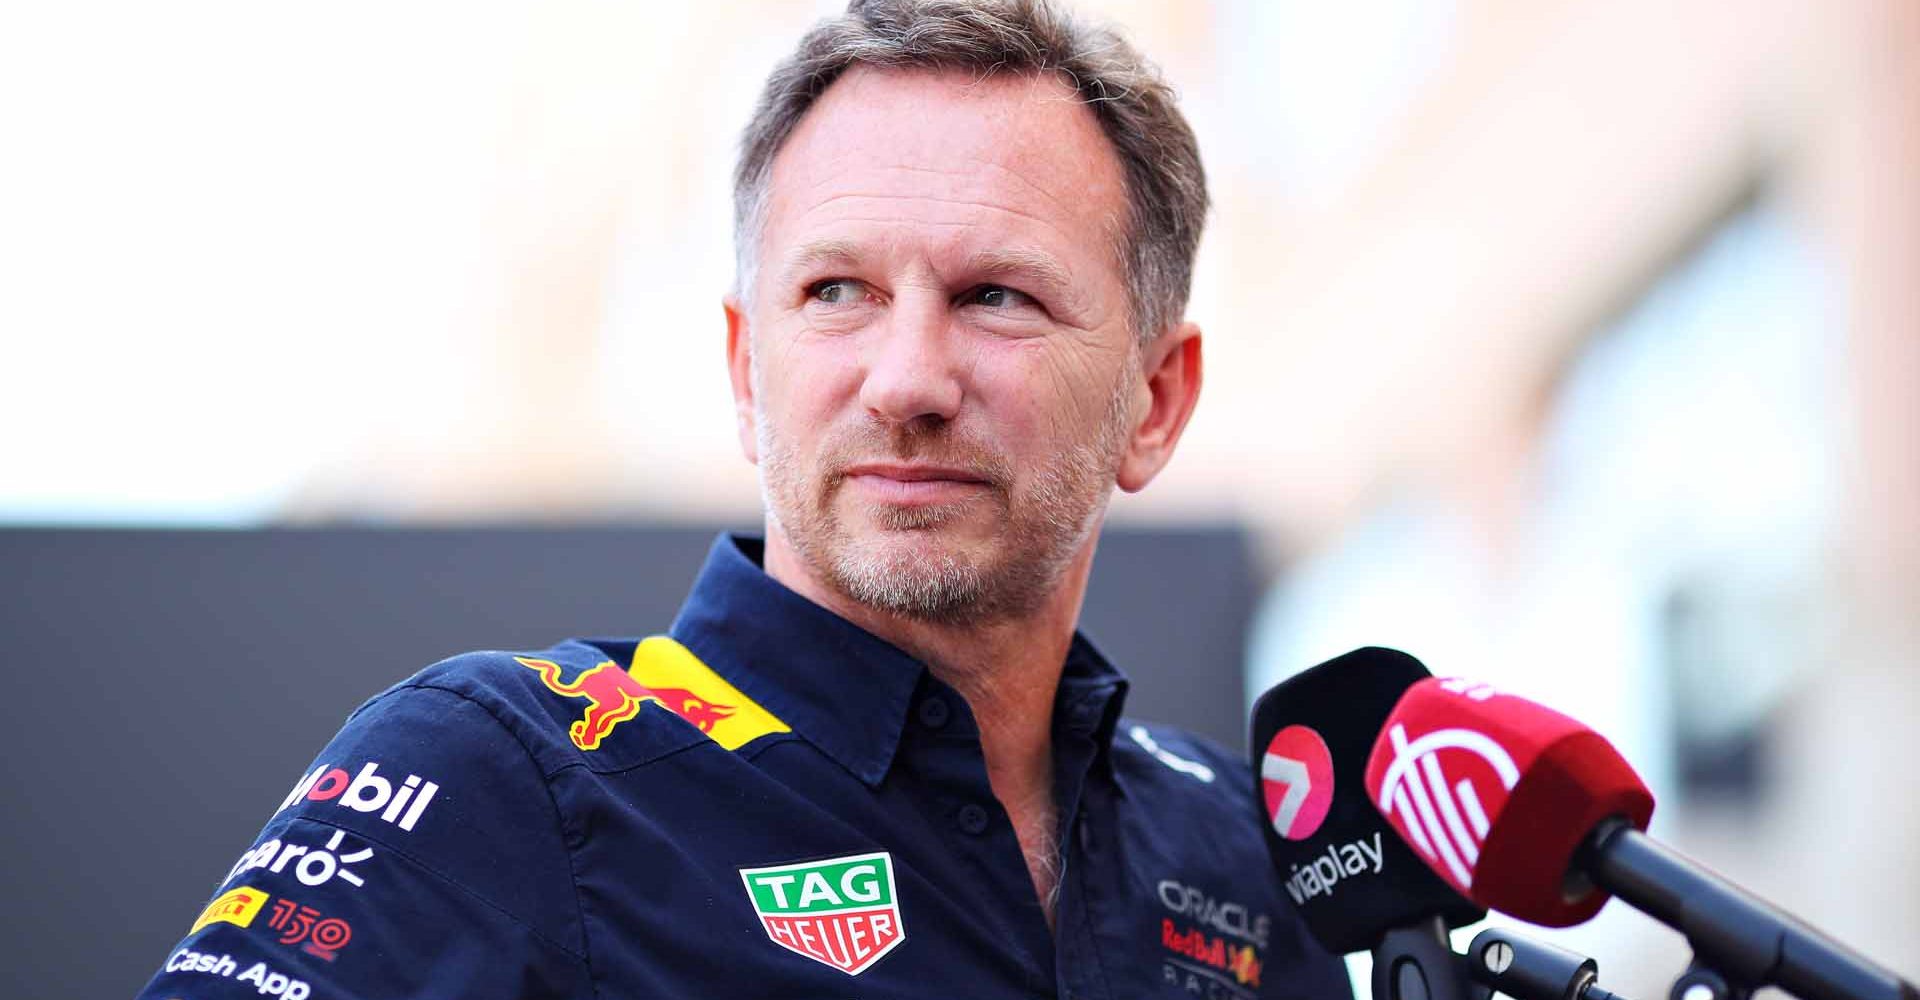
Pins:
x: 1496, y: 794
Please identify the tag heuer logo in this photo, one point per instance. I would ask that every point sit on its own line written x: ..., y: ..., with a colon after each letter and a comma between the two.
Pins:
x: 840, y: 911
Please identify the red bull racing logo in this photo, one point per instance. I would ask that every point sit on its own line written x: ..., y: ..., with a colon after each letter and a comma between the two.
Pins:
x: 613, y: 697
x: 665, y: 673
x: 1220, y: 957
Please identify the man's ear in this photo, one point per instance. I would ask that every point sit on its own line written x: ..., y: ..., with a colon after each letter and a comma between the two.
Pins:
x: 740, y: 373
x: 1170, y: 385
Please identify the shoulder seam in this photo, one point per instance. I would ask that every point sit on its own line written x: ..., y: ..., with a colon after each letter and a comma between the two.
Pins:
x: 749, y: 752
x: 559, y: 822
x: 745, y: 753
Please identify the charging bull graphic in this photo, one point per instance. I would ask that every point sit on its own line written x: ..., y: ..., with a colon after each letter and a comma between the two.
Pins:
x: 666, y: 673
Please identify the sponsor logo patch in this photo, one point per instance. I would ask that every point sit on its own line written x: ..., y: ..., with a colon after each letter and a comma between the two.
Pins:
x: 1223, y: 915
x: 259, y: 975
x: 840, y: 912
x: 235, y: 906
x: 315, y: 866
x: 367, y: 792
x: 322, y: 936
x: 667, y: 674
x: 1221, y: 957
x: 1218, y: 959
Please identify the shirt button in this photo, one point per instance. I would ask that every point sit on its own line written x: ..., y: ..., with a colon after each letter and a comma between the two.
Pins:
x: 973, y: 819
x: 934, y: 712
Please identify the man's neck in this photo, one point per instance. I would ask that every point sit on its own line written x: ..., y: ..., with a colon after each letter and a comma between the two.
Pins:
x: 1007, y: 668
x: 1008, y: 671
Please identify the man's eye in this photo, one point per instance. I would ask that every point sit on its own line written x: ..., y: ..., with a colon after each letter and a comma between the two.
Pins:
x: 997, y: 297
x: 835, y: 291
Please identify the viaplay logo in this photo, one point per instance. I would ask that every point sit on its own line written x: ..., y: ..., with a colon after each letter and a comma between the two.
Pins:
x: 1296, y: 779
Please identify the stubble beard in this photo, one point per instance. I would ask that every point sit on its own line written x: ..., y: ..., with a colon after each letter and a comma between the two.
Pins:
x: 905, y: 569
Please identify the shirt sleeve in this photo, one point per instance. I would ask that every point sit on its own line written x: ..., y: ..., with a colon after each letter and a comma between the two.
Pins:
x: 421, y: 855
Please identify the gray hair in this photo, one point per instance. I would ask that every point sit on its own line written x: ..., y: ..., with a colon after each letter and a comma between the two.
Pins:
x: 1166, y: 185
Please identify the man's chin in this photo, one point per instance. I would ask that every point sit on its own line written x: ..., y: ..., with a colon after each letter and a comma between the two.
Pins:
x: 905, y: 542
x: 954, y: 521
x: 917, y: 573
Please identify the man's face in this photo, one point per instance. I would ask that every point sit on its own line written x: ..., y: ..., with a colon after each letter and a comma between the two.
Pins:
x: 942, y: 373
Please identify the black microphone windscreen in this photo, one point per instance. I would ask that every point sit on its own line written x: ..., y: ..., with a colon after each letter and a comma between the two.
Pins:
x: 1349, y: 874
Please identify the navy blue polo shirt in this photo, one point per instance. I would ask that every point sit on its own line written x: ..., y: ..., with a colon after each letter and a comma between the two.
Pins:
x: 765, y: 802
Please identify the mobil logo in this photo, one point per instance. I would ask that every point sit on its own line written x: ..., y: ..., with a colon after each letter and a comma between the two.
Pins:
x: 367, y: 791
x: 1296, y: 782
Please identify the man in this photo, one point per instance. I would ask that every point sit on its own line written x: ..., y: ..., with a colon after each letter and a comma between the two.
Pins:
x: 871, y: 756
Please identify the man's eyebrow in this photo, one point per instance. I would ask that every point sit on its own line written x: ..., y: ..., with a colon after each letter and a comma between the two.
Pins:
x: 820, y: 253
x: 1035, y: 266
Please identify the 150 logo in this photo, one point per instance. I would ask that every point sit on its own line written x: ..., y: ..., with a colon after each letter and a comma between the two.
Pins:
x: 322, y: 936
x: 297, y: 924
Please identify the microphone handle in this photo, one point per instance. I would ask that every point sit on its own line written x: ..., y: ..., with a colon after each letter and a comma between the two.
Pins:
x: 1417, y: 962
x: 1732, y: 931
x: 1518, y: 967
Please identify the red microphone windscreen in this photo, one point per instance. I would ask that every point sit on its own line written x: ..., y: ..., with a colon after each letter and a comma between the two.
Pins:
x: 1496, y: 793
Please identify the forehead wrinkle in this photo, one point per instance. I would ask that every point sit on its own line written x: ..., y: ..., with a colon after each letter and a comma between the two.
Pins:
x: 930, y: 198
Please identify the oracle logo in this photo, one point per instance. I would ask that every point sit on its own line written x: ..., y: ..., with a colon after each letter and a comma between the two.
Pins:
x: 1439, y: 790
x: 1296, y: 781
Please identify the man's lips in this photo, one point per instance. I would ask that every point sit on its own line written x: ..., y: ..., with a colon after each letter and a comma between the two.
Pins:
x: 915, y: 473
x: 914, y: 484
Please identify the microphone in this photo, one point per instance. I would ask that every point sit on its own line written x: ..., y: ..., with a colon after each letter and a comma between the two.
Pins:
x: 1455, y: 757
x: 1357, y: 887
x: 1350, y: 880
x: 1526, y: 811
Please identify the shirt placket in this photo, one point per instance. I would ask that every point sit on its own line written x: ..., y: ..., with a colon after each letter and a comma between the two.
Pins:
x: 1085, y: 857
x: 945, y: 751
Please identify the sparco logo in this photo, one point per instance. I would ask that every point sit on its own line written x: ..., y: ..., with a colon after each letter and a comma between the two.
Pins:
x: 366, y: 792
x: 1437, y: 792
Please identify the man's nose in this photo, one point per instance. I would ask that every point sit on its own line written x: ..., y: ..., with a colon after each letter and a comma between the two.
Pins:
x: 912, y: 366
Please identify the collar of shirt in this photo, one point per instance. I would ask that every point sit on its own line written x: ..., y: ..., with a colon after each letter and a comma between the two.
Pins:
x: 842, y: 688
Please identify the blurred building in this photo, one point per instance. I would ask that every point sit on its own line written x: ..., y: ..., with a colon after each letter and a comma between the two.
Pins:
x: 1570, y: 344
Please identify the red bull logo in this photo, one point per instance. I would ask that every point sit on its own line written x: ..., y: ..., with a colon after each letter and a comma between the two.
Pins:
x: 1238, y: 960
x: 663, y: 672
x: 614, y: 696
